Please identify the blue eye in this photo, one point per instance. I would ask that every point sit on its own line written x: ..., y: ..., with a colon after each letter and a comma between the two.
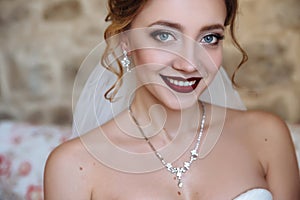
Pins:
x: 212, y: 39
x: 209, y: 39
x: 162, y: 36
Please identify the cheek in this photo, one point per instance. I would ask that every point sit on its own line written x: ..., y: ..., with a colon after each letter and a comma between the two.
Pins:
x: 219, y: 59
x: 155, y: 60
x: 149, y: 56
x: 216, y: 59
x: 148, y: 63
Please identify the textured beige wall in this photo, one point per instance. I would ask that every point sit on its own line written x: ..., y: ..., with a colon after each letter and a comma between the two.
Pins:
x: 269, y: 31
x: 42, y: 44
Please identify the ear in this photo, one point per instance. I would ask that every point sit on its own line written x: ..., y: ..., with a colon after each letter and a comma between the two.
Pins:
x: 124, y: 42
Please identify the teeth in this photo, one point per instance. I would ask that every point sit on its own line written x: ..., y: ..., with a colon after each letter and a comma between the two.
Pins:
x: 181, y: 83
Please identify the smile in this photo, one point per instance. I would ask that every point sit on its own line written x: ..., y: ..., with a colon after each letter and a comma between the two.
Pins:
x: 181, y: 85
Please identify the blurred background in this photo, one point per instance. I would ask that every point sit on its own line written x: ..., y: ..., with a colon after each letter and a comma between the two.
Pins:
x: 42, y: 44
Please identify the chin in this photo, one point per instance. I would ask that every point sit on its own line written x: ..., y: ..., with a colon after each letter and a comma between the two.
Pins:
x: 181, y: 104
x: 173, y: 100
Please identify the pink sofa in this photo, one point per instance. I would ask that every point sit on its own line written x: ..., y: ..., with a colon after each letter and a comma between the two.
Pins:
x: 24, y: 149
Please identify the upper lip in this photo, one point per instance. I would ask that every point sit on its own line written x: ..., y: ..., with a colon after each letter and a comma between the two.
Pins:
x: 181, y: 84
x: 181, y: 78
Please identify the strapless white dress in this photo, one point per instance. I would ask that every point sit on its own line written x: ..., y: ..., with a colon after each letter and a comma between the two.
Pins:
x: 255, y: 194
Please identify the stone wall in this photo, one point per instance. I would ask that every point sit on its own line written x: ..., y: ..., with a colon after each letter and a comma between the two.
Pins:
x: 270, y: 80
x: 42, y: 44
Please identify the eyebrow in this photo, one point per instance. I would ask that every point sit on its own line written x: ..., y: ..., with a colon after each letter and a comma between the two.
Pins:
x: 179, y: 27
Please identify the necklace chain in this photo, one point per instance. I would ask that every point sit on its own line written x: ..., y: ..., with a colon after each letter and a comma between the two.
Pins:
x: 177, y: 171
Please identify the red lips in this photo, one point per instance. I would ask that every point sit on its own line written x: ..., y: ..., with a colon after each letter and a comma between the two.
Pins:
x: 180, y: 84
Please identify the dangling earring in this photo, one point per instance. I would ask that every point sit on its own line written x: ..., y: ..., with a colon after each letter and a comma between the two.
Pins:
x: 126, y: 62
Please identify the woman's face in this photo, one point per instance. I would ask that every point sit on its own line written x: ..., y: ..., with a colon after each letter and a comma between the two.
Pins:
x: 177, y: 49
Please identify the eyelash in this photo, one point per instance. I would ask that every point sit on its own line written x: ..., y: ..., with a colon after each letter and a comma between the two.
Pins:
x: 216, y: 36
x: 156, y: 34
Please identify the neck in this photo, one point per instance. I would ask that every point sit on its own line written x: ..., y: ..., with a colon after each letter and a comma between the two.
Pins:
x: 153, y: 116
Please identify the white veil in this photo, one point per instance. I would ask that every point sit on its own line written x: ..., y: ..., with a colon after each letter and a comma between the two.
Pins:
x: 91, y: 109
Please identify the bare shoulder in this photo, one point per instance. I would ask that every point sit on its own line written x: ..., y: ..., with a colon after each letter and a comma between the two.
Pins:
x: 267, y: 122
x: 270, y: 138
x: 260, y: 123
x: 267, y: 132
x: 67, y: 172
x: 72, y: 151
x: 253, y: 123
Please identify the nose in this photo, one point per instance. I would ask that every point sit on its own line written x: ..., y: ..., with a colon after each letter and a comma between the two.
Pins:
x: 188, y: 58
x: 188, y: 66
x: 184, y: 65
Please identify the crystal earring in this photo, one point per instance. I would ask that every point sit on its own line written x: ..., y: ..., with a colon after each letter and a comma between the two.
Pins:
x: 126, y: 62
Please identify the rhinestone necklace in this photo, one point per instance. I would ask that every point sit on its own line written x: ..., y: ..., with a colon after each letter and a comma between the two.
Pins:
x: 177, y: 171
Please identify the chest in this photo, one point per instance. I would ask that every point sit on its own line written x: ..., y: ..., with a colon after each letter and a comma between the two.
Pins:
x: 154, y: 185
x: 210, y: 178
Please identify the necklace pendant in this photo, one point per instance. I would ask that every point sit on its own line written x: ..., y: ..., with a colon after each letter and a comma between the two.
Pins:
x: 179, y: 173
x: 180, y: 184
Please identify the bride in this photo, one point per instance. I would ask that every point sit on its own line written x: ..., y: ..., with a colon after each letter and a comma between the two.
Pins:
x: 159, y: 119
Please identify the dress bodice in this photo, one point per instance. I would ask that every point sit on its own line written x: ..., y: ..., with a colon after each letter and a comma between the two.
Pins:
x: 254, y: 194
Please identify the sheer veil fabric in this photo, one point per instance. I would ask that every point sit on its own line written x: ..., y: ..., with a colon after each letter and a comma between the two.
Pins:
x: 91, y: 110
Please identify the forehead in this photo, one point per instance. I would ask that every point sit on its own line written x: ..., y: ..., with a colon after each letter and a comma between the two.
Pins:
x: 189, y: 13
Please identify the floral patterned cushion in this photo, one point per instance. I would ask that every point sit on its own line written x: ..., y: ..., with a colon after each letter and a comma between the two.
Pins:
x: 24, y: 149
x: 295, y: 131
